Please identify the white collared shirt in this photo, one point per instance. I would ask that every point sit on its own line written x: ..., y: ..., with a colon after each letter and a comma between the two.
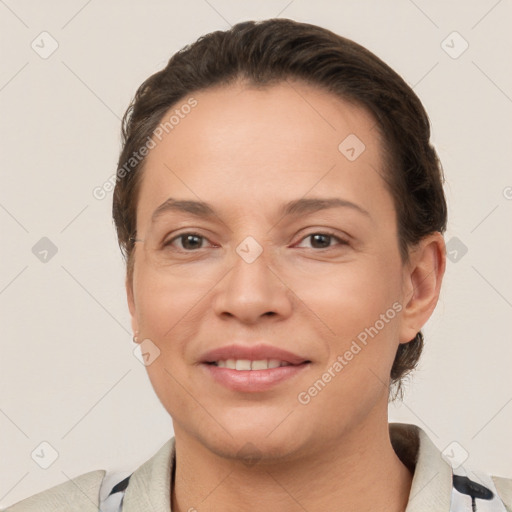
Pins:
x: 435, y: 485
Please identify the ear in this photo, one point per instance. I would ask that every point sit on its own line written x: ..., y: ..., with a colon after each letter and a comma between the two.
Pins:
x: 131, y: 304
x: 422, y: 280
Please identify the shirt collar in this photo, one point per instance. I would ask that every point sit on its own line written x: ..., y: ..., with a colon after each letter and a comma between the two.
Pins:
x: 432, y: 478
x: 149, y: 487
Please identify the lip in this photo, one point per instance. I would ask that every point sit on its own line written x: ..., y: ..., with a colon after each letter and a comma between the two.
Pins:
x: 252, y: 381
x: 253, y: 353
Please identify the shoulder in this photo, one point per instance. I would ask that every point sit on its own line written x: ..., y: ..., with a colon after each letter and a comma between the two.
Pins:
x: 504, y: 488
x: 78, y: 494
x: 99, y: 490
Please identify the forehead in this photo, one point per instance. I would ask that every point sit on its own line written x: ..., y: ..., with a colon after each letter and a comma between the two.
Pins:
x: 248, y: 144
x: 289, y: 116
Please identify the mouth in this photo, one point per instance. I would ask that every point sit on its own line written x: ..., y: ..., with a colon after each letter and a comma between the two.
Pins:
x: 252, y: 376
x: 251, y: 368
x: 251, y: 357
x: 252, y: 365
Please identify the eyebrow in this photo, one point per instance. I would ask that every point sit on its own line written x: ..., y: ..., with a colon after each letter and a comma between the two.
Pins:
x: 293, y: 208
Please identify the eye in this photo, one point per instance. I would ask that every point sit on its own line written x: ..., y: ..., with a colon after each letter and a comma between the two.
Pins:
x: 193, y: 241
x: 189, y: 241
x: 322, y: 240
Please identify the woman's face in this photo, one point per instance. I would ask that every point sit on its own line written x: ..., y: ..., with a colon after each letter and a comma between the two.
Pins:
x: 268, y: 268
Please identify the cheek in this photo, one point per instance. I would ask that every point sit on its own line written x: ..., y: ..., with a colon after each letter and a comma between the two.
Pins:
x: 365, y: 322
x: 362, y: 310
x: 164, y: 302
x: 351, y: 297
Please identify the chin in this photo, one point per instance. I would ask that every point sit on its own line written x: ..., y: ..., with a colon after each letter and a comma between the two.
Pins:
x: 256, y: 448
x: 267, y: 437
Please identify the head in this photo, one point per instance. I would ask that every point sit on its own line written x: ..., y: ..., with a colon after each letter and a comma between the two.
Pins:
x: 248, y: 120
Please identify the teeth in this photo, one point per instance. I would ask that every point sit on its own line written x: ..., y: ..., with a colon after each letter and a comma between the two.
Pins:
x: 259, y: 365
x: 247, y: 364
x: 243, y: 364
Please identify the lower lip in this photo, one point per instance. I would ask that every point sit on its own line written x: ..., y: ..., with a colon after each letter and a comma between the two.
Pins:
x: 253, y: 381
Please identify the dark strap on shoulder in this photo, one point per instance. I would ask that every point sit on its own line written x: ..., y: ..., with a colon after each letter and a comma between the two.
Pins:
x: 120, y: 486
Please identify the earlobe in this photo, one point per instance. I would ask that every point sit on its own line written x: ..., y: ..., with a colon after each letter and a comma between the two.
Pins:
x: 423, y: 277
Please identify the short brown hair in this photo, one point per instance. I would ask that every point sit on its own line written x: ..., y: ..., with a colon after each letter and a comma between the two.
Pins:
x: 266, y: 52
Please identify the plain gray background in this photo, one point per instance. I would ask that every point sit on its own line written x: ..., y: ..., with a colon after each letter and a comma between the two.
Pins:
x: 68, y: 375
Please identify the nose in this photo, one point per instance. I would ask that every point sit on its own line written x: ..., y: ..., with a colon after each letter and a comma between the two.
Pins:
x: 251, y: 290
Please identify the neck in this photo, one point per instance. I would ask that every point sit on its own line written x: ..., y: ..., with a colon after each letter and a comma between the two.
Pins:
x: 359, y: 471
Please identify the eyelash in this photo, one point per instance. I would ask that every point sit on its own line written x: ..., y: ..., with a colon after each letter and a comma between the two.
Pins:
x: 341, y: 241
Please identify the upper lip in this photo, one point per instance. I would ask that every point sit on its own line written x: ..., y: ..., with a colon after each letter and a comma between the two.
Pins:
x: 253, y: 353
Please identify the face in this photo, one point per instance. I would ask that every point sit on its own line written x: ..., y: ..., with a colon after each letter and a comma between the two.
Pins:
x: 323, y: 282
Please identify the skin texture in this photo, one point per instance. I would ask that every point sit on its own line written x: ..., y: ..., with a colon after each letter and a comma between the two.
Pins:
x: 246, y: 151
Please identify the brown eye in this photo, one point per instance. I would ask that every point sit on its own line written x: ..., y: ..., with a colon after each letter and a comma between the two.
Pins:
x: 320, y: 240
x: 323, y: 240
x: 189, y: 241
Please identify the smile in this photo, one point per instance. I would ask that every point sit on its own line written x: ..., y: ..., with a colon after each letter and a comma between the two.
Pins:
x: 252, y: 376
x: 247, y: 364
